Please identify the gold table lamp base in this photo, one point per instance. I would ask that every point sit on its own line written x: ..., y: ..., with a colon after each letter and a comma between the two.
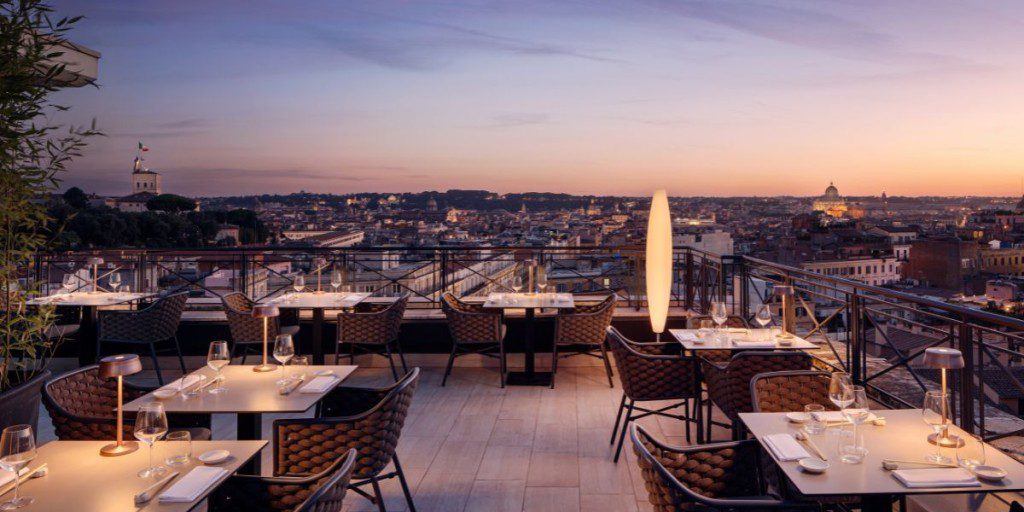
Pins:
x: 264, y: 368
x: 114, y: 450
x: 949, y: 441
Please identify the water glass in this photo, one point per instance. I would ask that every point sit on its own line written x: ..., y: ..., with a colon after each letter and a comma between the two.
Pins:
x: 301, y: 363
x: 815, y: 422
x: 851, y: 447
x: 179, y: 448
x: 972, y: 453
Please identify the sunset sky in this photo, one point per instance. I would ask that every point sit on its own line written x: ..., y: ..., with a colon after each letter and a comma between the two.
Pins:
x: 700, y: 97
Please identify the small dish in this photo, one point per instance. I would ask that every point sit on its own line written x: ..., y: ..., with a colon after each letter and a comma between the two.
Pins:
x: 798, y: 417
x: 164, y: 394
x: 813, y: 465
x: 325, y: 373
x: 990, y: 473
x: 783, y: 342
x: 214, y: 456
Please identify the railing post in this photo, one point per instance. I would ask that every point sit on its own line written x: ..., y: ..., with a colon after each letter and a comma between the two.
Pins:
x: 140, y: 273
x: 966, y: 336
x: 244, y: 279
x: 688, y: 279
x: 856, y: 340
x: 742, y: 289
x: 444, y: 269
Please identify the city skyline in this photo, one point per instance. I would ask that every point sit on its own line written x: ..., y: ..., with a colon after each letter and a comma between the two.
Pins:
x: 619, y: 98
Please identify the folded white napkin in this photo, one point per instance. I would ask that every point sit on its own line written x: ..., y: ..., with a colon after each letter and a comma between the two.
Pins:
x: 936, y: 477
x: 191, y: 486
x: 7, y: 477
x: 189, y: 380
x: 684, y: 334
x: 754, y: 344
x: 785, y: 447
x: 737, y: 330
x: 319, y: 384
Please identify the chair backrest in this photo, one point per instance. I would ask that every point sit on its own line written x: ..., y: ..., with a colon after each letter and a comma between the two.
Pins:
x: 693, y: 322
x: 166, y: 315
x: 585, y: 324
x: 309, y: 445
x: 396, y: 312
x: 244, y: 328
x: 367, y: 327
x: 646, y: 376
x: 76, y: 397
x: 745, y: 365
x: 468, y: 323
x: 331, y: 487
x: 323, y: 491
x: 789, y: 391
x: 155, y: 323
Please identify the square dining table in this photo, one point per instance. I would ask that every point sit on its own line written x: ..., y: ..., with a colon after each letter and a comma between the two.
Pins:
x: 740, y: 339
x: 318, y: 302
x: 90, y: 302
x: 530, y: 302
x: 903, y: 437
x: 249, y: 395
x: 80, y: 479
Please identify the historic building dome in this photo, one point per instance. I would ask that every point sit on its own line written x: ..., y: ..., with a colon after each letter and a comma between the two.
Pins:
x: 831, y: 192
x: 831, y: 203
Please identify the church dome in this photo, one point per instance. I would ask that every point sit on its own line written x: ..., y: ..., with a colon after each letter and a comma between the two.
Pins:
x: 832, y: 192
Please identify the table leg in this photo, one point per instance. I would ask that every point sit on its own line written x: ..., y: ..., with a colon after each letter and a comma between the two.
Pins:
x: 877, y: 503
x: 86, y: 336
x: 318, y: 338
x: 250, y: 428
x: 530, y: 377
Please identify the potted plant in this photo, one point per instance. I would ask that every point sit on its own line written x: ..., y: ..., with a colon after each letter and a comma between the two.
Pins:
x: 34, y: 153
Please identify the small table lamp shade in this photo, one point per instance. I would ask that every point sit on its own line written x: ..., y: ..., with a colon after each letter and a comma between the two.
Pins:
x: 265, y: 311
x: 943, y: 358
x: 95, y: 260
x: 120, y: 365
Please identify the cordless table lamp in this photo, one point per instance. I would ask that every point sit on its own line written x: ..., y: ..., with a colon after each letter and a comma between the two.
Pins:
x: 943, y: 358
x: 95, y: 263
x: 266, y: 312
x: 119, y: 366
x: 319, y: 263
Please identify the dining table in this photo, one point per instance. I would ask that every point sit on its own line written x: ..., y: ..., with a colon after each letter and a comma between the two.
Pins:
x: 902, y: 437
x: 732, y: 338
x: 530, y: 302
x: 78, y: 478
x: 249, y: 395
x: 90, y: 302
x: 318, y: 303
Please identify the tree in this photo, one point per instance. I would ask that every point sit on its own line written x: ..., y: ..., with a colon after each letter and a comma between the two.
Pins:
x: 170, y: 203
x: 76, y: 198
x: 33, y: 156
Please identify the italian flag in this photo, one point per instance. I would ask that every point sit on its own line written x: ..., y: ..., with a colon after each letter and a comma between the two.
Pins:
x: 143, y: 147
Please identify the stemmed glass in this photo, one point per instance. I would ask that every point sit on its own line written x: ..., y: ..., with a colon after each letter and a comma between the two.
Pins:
x: 764, y: 317
x: 284, y: 349
x: 114, y: 281
x: 837, y: 386
x: 857, y: 411
x: 719, y: 313
x: 150, y: 426
x: 68, y: 282
x: 935, y: 403
x: 336, y: 280
x: 217, y: 358
x: 299, y: 283
x: 517, y: 284
x: 542, y: 280
x: 17, y: 449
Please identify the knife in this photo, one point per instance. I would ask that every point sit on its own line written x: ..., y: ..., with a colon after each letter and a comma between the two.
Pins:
x: 147, y: 494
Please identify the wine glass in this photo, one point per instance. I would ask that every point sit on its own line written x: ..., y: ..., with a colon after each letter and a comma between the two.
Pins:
x: 837, y: 386
x: 719, y: 313
x: 114, y: 281
x: 217, y: 358
x: 299, y: 283
x: 17, y: 449
x: 68, y: 282
x: 517, y: 283
x: 284, y: 349
x: 764, y: 317
x: 542, y: 280
x: 933, y: 412
x: 336, y: 280
x: 857, y: 410
x: 150, y: 426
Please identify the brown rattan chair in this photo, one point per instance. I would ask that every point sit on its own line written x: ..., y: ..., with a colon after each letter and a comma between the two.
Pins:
x: 373, y: 331
x: 722, y: 476
x: 474, y: 330
x: 246, y: 331
x: 82, y: 407
x: 728, y: 384
x: 733, y: 321
x: 319, y: 492
x: 369, y: 420
x: 150, y: 326
x: 654, y: 371
x: 584, y: 329
x: 790, y: 391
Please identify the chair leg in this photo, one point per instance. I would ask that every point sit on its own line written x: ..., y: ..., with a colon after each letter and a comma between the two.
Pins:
x: 99, y: 344
x: 710, y: 420
x: 554, y: 363
x: 618, y: 417
x: 352, y: 353
x: 156, y: 363
x: 607, y: 364
x: 401, y: 357
x: 181, y: 360
x: 405, y: 485
x: 337, y: 351
x: 394, y: 370
x: 379, y: 495
x: 448, y: 368
x: 625, y: 427
x: 686, y: 413
x: 502, y: 363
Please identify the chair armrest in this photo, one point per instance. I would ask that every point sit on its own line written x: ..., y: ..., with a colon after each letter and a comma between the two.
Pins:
x: 344, y: 401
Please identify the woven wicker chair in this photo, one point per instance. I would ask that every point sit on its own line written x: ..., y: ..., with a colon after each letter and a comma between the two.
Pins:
x: 736, y: 321
x: 654, y: 371
x: 474, y: 330
x: 82, y: 407
x: 728, y: 384
x: 246, y: 331
x: 373, y: 332
x: 790, y: 391
x: 150, y: 326
x: 584, y: 329
x: 721, y: 476
x: 369, y: 420
x: 320, y: 492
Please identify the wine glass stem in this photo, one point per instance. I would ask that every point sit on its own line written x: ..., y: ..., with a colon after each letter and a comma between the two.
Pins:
x: 151, y: 457
x: 17, y: 485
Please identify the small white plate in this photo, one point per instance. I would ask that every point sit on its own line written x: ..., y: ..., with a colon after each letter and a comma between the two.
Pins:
x: 325, y: 373
x: 214, y: 456
x: 798, y: 417
x: 785, y: 342
x: 990, y: 473
x: 813, y: 465
x: 164, y: 394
